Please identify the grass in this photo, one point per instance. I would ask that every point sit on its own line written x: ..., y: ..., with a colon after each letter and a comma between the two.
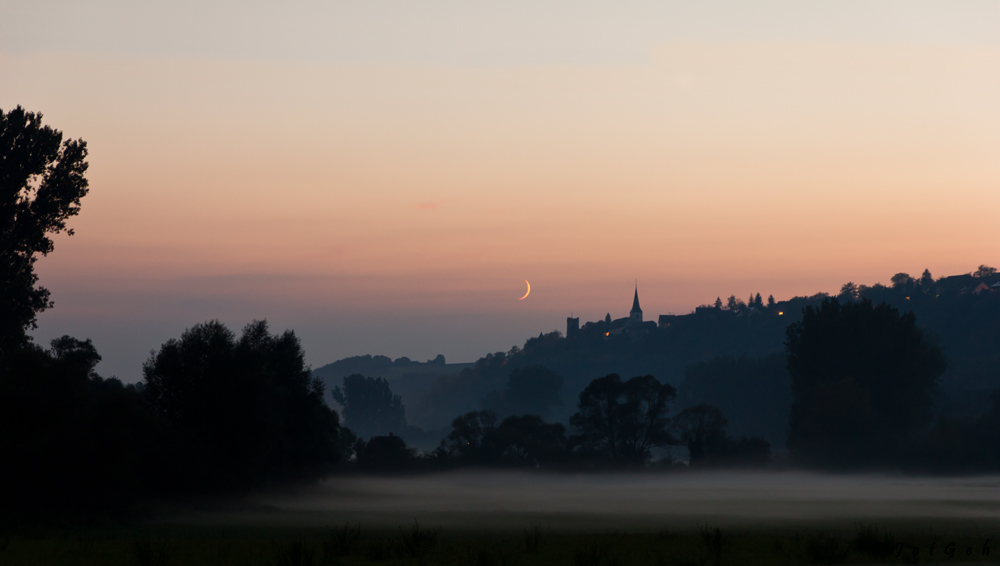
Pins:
x: 351, y: 544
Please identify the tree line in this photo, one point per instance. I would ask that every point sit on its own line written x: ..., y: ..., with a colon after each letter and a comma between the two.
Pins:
x: 216, y: 413
x: 863, y: 385
x: 619, y: 424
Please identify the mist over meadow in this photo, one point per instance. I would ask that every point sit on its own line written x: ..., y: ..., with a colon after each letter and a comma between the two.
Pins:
x: 746, y: 499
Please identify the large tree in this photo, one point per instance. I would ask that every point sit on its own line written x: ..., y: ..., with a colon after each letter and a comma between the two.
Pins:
x: 528, y: 440
x: 41, y: 183
x: 533, y: 390
x: 387, y: 453
x: 468, y: 434
x: 702, y: 429
x: 370, y: 406
x: 755, y: 394
x: 863, y: 383
x: 476, y: 438
x: 245, y: 410
x: 624, y: 419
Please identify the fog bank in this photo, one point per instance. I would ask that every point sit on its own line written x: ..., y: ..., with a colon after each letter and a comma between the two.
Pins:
x: 639, y: 501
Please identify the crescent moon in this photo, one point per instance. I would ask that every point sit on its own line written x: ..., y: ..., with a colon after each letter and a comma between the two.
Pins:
x: 528, y: 293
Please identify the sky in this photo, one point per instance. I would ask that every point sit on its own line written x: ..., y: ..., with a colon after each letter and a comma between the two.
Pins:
x: 382, y: 177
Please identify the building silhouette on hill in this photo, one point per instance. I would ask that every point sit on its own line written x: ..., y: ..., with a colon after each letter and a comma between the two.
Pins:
x: 631, y: 324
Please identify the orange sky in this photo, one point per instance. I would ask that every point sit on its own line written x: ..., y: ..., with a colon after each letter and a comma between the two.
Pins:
x: 397, y: 207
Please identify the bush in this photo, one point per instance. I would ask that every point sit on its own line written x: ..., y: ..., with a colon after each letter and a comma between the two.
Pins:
x: 385, y: 454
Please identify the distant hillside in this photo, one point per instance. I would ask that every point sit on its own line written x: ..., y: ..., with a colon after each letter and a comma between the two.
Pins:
x: 384, y: 366
x: 405, y: 376
x: 961, y: 313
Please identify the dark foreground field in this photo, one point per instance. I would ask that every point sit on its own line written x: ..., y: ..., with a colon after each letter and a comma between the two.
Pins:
x: 500, y: 518
x: 534, y: 544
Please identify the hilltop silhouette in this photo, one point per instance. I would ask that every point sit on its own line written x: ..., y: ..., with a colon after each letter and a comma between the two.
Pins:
x: 730, y: 354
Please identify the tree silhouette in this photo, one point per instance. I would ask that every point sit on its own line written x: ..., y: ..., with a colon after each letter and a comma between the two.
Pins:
x: 528, y: 440
x: 624, y: 419
x: 984, y: 271
x: 387, y: 453
x: 532, y: 390
x: 926, y: 281
x: 755, y: 394
x: 479, y: 438
x: 41, y: 183
x: 849, y: 291
x: 466, y: 441
x: 370, y: 407
x: 863, y: 382
x: 703, y: 429
x: 901, y: 280
x: 245, y: 411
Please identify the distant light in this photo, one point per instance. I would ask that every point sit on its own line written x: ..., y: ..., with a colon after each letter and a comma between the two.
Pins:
x: 907, y: 298
x: 607, y: 334
x: 781, y: 313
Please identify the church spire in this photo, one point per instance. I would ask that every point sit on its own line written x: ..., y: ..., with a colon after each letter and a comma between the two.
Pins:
x: 636, y: 313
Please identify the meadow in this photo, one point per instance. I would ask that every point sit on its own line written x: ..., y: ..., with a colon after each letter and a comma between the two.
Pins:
x: 498, y: 518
